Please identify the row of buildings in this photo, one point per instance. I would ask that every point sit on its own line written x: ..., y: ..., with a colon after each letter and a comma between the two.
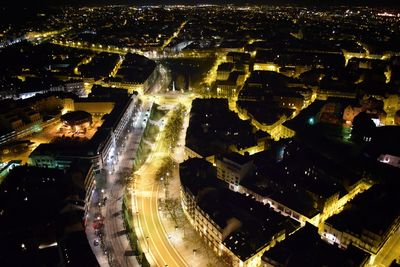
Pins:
x: 273, y: 83
x: 246, y: 228
x: 323, y: 180
x: 24, y: 117
x: 237, y: 228
x: 44, y: 204
x: 343, y: 211
x: 101, y: 148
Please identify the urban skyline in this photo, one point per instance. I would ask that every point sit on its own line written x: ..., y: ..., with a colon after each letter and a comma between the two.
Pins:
x: 384, y: 3
x: 241, y: 135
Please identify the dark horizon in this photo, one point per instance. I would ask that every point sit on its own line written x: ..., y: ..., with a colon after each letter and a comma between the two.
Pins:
x: 316, y: 3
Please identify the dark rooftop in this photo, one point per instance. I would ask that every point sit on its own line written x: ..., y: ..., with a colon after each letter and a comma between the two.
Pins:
x: 372, y: 211
x: 386, y: 141
x: 135, y: 69
x: 32, y: 205
x: 306, y: 248
x: 263, y: 113
x: 226, y: 66
x: 213, y: 128
x: 236, y: 157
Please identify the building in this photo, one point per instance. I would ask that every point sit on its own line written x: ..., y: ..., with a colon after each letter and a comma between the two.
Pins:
x: 233, y: 167
x: 224, y: 70
x: 289, y: 100
x: 136, y: 73
x: 363, y: 128
x: 77, y: 120
x: 350, y: 112
x: 237, y: 57
x: 265, y: 61
x: 24, y: 117
x: 265, y: 116
x: 397, y: 118
x: 214, y: 129
x: 236, y: 227
x: 226, y: 88
x: 367, y: 221
x: 385, y: 148
x: 101, y: 148
x: 300, y: 183
x: 72, y: 86
x: 6, y: 167
x: 306, y: 248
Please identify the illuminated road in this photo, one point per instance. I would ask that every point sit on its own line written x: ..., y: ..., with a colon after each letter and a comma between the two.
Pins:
x: 154, y: 237
x: 148, y: 225
x: 176, y: 34
x: 113, y: 224
x: 97, y: 47
x: 154, y: 53
x: 151, y: 234
x: 389, y: 252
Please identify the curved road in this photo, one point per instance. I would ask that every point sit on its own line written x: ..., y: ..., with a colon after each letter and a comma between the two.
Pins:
x: 152, y: 236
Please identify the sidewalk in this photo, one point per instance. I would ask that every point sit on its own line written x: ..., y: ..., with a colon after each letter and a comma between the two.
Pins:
x: 115, y: 233
x: 113, y: 248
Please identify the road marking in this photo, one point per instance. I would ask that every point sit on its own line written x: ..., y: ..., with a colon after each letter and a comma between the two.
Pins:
x: 163, y: 229
x: 162, y: 237
x: 143, y: 215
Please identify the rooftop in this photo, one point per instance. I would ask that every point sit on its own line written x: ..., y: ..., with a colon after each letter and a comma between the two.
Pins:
x: 236, y: 157
x: 213, y: 128
x: 264, y: 114
x: 227, y: 66
x: 306, y: 248
x: 372, y: 211
x: 258, y: 223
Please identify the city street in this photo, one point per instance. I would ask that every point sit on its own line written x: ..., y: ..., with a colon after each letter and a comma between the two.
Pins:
x: 164, y: 243
x: 389, y: 252
x: 149, y: 228
x: 152, y: 227
x: 115, y: 241
x: 153, y: 236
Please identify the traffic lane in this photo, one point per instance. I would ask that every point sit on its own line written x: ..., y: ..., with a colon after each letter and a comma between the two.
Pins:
x: 176, y: 258
x: 156, y: 241
x: 160, y: 248
x: 151, y: 246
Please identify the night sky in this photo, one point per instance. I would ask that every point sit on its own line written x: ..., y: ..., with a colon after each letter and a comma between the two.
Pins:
x: 389, y: 3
